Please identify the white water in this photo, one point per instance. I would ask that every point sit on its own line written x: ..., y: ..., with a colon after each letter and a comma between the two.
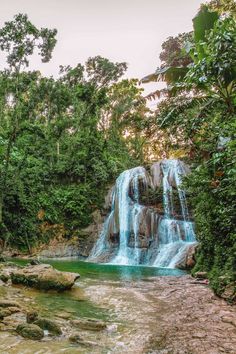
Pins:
x: 128, y: 217
x: 144, y: 236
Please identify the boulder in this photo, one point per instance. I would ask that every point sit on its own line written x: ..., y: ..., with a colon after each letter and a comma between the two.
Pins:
x: 44, y: 277
x: 89, y: 324
x: 30, y: 331
x: 49, y: 325
x: 188, y: 258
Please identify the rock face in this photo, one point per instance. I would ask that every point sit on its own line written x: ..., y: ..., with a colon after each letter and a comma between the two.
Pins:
x: 79, y: 245
x: 188, y: 260
x: 30, y: 331
x: 44, y: 277
x: 137, y: 229
x: 60, y: 250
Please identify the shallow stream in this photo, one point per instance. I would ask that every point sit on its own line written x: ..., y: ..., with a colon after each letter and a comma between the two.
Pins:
x: 118, y: 295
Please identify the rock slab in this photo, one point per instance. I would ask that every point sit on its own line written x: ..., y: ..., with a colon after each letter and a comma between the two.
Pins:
x: 44, y: 277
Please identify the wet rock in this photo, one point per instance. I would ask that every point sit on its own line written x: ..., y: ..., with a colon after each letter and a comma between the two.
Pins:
x: 44, y: 277
x: 4, y: 277
x: 156, y: 174
x: 6, y: 303
x: 14, y: 309
x: 78, y: 339
x: 31, y: 316
x: 34, y: 262
x: 188, y: 258
x: 108, y: 199
x: 64, y: 315
x: 30, y: 331
x: 89, y: 324
x: 4, y: 313
x: 201, y: 275
x: 49, y: 325
x: 60, y: 250
x: 2, y: 259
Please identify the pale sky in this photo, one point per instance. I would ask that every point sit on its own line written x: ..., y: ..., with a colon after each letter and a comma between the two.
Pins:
x: 121, y: 30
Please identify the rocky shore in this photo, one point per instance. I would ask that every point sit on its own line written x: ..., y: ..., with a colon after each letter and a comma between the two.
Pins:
x: 20, y: 316
x: 152, y: 315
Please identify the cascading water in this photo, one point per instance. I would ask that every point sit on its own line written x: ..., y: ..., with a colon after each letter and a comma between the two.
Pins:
x: 134, y: 233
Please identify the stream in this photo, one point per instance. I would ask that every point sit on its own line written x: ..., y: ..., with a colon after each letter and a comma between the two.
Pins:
x: 147, y: 310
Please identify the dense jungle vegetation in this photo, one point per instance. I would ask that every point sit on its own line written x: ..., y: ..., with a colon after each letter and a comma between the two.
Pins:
x: 64, y: 140
x: 199, y: 104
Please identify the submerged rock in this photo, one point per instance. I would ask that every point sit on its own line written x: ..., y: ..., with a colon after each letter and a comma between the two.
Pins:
x: 30, y: 331
x: 44, y: 277
x: 76, y: 338
x: 89, y: 324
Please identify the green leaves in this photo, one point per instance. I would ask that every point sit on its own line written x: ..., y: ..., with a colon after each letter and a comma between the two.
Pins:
x: 19, y: 38
x: 203, y: 22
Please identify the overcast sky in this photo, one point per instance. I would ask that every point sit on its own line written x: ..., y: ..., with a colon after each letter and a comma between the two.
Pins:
x: 121, y: 30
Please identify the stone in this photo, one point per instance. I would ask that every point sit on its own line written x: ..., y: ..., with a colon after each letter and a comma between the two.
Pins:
x: 89, y: 324
x: 76, y: 338
x: 31, y: 316
x: 188, y: 258
x: 4, y: 277
x: 14, y: 309
x: 44, y: 277
x: 201, y: 275
x: 30, y: 331
x: 229, y: 293
x: 4, y: 313
x: 2, y: 259
x: 49, y: 325
x: 230, y: 320
x: 6, y: 303
x: 60, y: 250
x: 34, y: 262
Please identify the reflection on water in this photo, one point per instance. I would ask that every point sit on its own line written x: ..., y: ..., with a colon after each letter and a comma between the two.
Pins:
x: 108, y: 271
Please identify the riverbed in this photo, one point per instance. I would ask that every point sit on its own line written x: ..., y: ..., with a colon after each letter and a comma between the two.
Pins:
x: 146, y: 309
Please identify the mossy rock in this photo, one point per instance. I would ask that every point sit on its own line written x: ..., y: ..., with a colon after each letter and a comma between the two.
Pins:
x: 4, y: 313
x: 30, y: 331
x: 90, y: 324
x: 49, y: 325
x: 4, y: 277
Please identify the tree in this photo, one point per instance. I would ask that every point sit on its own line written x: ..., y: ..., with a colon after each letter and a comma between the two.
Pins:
x: 200, y: 104
x: 19, y: 39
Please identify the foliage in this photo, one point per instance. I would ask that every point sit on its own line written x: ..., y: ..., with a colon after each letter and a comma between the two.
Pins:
x: 200, y: 108
x: 20, y: 37
x: 57, y: 157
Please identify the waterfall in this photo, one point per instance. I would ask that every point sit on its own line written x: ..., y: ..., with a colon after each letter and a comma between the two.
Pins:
x: 135, y: 233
